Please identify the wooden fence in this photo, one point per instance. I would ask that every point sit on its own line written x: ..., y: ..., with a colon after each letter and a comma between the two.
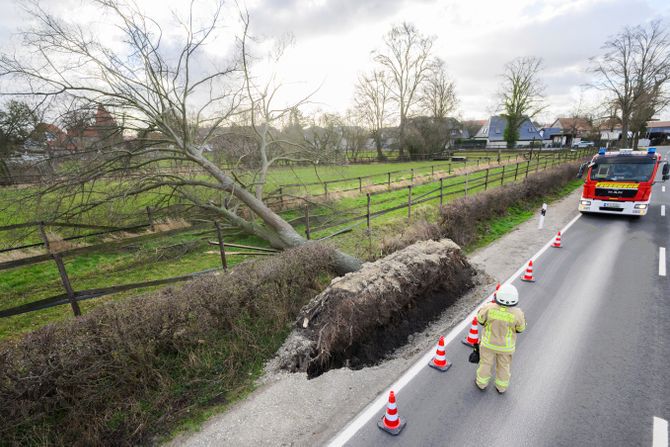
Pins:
x: 73, y: 297
x: 445, y: 187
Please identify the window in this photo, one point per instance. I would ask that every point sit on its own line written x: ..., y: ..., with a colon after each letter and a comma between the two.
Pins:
x: 634, y: 172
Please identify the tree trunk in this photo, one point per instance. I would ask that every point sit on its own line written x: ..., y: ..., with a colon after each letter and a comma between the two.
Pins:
x: 401, y: 139
x: 624, y: 130
x: 279, y: 233
x: 378, y: 144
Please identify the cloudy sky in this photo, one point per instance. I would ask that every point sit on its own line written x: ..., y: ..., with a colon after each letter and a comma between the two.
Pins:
x: 333, y: 40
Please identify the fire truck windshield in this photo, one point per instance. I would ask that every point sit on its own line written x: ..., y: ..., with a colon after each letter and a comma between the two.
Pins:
x: 632, y: 172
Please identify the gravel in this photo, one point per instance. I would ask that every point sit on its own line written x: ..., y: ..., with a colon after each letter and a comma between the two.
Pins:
x: 289, y: 410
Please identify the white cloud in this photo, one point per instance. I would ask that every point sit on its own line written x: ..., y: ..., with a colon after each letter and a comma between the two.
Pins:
x: 334, y: 39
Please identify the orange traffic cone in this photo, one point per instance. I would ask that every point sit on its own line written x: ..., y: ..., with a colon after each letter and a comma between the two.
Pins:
x: 493, y: 300
x: 557, y: 241
x: 528, y: 276
x: 473, y: 337
x: 440, y: 359
x: 391, y: 422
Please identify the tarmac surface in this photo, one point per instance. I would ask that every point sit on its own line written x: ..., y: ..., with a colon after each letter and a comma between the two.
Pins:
x: 590, y: 370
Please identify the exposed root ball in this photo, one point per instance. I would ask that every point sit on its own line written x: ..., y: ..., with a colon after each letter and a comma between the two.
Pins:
x: 366, y: 314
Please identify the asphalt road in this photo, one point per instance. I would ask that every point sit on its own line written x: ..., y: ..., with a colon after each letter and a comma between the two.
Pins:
x: 592, y: 368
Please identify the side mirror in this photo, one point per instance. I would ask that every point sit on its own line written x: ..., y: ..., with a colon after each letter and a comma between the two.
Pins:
x: 580, y: 173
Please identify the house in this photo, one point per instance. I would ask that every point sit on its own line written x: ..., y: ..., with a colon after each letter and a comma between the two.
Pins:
x: 572, y: 130
x: 45, y: 138
x: 471, y: 127
x: 494, y: 130
x: 103, y: 133
x: 658, y: 132
x: 552, y: 137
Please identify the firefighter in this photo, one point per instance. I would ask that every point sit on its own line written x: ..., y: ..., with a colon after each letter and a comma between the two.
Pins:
x: 501, y: 321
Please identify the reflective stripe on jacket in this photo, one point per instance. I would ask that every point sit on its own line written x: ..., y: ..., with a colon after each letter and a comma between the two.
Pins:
x: 501, y: 325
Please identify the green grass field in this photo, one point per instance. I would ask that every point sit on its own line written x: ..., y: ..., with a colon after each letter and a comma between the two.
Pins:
x: 151, y: 260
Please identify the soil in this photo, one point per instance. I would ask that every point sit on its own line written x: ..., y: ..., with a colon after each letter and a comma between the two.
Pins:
x: 363, y: 316
x: 288, y: 409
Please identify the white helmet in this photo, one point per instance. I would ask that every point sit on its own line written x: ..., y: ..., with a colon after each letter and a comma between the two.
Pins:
x: 507, y: 295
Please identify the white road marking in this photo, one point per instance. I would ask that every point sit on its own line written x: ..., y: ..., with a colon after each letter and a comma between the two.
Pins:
x: 661, y: 261
x: 373, y: 408
x: 663, y: 210
x: 662, y: 188
x: 660, y: 432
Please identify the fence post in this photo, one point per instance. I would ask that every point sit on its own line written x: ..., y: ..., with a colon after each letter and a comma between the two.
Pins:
x: 516, y: 171
x: 63, y: 273
x: 409, y: 203
x: 281, y: 197
x: 432, y: 171
x: 449, y: 172
x: 151, y: 218
x: 546, y: 161
x: 360, y: 184
x: 389, y: 179
x: 527, y: 168
x: 466, y: 183
x: 486, y: 181
x: 325, y: 189
x: 307, y: 230
x: 368, y: 215
x: 412, y: 175
x: 502, y: 176
x: 441, y: 191
x: 222, y: 248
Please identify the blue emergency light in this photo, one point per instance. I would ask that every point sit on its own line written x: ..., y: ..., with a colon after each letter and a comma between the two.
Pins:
x: 651, y: 150
x: 602, y: 151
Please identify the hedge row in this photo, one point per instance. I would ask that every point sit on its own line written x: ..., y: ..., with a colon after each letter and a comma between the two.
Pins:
x: 130, y: 369
x: 461, y: 220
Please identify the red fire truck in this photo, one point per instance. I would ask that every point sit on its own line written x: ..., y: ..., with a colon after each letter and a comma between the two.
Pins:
x: 619, y: 182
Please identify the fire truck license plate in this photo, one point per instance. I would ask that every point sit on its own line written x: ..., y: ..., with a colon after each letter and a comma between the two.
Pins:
x: 611, y: 205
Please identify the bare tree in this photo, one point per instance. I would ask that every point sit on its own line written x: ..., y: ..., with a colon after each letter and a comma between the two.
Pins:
x: 354, y: 137
x: 406, y: 57
x: 438, y: 95
x: 521, y: 94
x: 183, y: 99
x: 325, y: 136
x: 634, y: 70
x: 371, y: 100
x: 266, y: 117
x: 17, y: 122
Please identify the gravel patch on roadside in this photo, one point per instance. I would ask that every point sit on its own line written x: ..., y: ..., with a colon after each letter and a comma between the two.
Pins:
x: 289, y: 410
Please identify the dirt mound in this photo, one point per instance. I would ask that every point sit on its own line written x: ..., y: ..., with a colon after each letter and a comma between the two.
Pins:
x: 364, y: 315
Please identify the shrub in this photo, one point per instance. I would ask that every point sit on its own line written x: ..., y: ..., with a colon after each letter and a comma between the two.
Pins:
x: 461, y: 218
x: 128, y: 369
x: 418, y: 231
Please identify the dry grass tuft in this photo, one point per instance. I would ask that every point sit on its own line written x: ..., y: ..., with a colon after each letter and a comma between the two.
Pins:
x: 57, y: 244
x: 170, y: 224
